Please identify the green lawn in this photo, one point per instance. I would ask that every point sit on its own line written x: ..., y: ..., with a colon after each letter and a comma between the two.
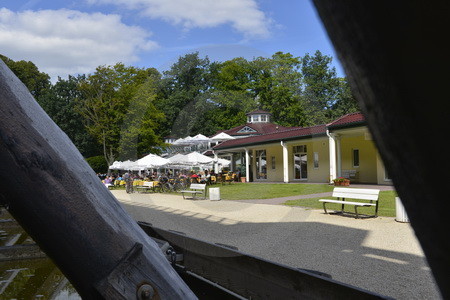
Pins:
x: 245, y: 191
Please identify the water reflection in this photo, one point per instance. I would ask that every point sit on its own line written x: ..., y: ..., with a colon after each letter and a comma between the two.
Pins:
x: 25, y: 271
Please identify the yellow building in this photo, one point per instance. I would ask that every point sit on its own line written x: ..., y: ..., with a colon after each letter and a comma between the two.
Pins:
x: 342, y: 148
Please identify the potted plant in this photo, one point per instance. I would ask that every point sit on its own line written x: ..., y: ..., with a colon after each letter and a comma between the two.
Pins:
x: 243, y: 174
x: 341, y: 181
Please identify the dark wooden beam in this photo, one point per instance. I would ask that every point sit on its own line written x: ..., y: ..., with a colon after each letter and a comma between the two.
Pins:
x: 395, y: 54
x: 56, y: 197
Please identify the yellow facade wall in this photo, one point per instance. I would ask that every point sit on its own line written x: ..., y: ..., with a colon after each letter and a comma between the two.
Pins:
x: 367, y: 169
x: 370, y: 169
x: 315, y: 174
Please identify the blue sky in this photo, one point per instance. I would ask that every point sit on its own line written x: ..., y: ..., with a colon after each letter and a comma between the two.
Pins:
x: 70, y: 37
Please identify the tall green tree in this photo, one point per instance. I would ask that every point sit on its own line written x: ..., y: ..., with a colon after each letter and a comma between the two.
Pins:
x: 37, y: 82
x: 279, y: 84
x: 321, y: 86
x: 232, y: 93
x: 59, y: 101
x: 346, y: 103
x: 140, y: 133
x: 184, y: 93
x: 106, y: 96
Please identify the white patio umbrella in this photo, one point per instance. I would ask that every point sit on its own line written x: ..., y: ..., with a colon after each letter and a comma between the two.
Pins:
x: 200, y: 138
x: 116, y: 165
x: 122, y: 165
x: 196, y: 158
x: 127, y: 165
x: 151, y: 161
x: 178, y: 161
x: 224, y: 162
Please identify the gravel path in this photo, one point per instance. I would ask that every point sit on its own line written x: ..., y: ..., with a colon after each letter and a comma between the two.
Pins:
x: 378, y: 254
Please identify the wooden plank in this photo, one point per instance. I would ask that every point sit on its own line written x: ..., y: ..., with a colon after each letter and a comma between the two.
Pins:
x: 355, y: 196
x: 59, y: 201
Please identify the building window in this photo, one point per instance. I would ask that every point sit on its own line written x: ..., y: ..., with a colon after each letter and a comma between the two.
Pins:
x: 300, y: 162
x: 273, y: 162
x: 263, y: 118
x: 256, y: 118
x: 355, y: 157
x: 249, y: 119
x: 261, y: 164
x: 246, y: 129
x: 316, y: 160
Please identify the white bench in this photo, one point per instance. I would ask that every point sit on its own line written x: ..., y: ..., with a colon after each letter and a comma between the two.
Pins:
x: 195, y: 189
x: 370, y: 195
x: 146, y: 186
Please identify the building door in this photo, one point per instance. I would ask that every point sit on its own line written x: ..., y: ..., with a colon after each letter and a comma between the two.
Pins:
x: 300, y: 162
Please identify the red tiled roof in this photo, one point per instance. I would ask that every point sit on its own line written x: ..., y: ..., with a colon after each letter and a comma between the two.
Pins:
x: 258, y: 111
x: 260, y: 128
x: 290, y: 133
x: 286, y: 134
x: 347, y: 119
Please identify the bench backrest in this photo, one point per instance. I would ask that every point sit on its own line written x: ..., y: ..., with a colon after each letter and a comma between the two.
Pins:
x: 363, y: 194
x: 148, y: 183
x: 197, y: 186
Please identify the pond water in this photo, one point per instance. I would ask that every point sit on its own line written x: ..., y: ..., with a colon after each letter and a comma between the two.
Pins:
x: 25, y: 271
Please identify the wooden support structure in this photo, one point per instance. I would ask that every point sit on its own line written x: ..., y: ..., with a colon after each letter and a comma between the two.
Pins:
x: 56, y: 197
x: 396, y: 60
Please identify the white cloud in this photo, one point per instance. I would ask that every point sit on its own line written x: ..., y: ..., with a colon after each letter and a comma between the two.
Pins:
x: 62, y: 42
x: 243, y: 15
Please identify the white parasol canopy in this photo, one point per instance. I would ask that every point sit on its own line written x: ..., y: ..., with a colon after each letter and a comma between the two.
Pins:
x: 224, y: 162
x: 151, y: 161
x: 191, y: 159
x: 122, y: 165
x: 196, y: 158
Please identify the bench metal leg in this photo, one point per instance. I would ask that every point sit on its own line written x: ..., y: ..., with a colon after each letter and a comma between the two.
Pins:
x: 356, y: 212
x: 324, y: 207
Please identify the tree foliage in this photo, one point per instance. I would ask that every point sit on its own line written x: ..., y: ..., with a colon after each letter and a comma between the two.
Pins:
x: 59, y: 101
x: 37, y: 82
x: 105, y: 99
x: 124, y: 112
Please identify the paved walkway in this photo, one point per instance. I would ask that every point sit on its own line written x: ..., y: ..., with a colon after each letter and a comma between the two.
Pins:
x: 380, y: 255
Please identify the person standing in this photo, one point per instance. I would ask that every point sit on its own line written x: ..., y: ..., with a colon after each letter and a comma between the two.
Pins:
x: 128, y: 182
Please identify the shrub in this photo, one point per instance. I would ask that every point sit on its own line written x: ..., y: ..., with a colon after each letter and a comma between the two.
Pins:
x: 98, y: 164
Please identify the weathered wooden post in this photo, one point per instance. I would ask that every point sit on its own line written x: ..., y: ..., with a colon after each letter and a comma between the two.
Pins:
x: 56, y: 197
x: 396, y: 60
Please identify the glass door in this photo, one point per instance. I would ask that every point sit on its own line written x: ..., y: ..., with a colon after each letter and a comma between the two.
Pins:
x: 300, y: 162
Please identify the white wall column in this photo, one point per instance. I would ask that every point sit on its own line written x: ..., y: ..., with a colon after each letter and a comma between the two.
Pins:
x: 285, y: 162
x: 332, y: 150
x: 247, y: 165
x: 232, y: 164
x: 216, y: 163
